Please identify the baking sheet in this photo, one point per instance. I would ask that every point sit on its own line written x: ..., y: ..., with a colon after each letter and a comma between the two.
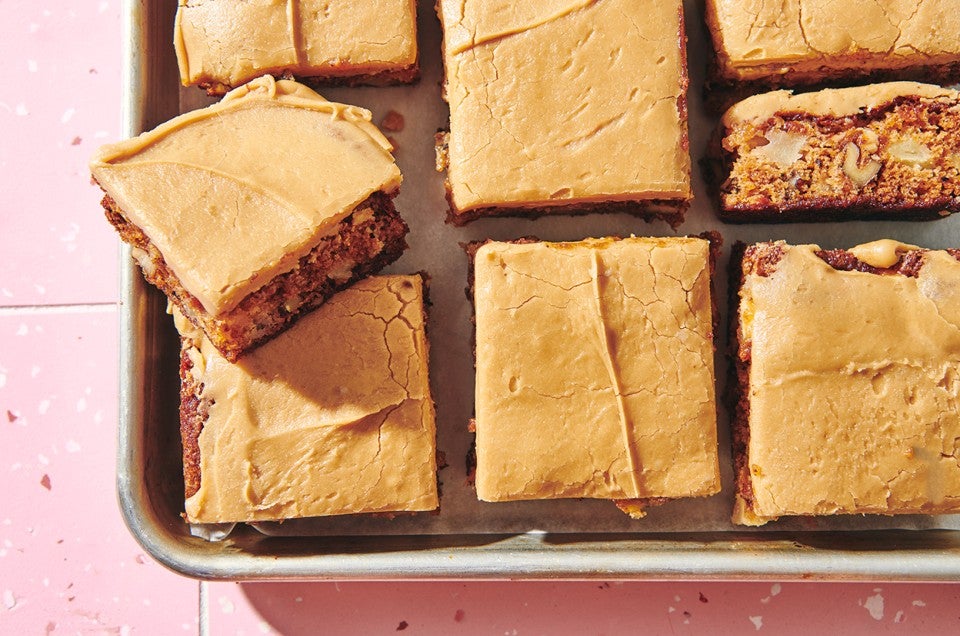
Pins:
x: 467, y: 537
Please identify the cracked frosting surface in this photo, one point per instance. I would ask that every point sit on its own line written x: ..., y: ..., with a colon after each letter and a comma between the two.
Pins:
x: 594, y: 370
x: 543, y: 94
x: 234, y: 194
x: 854, y: 385
x: 230, y: 42
x: 758, y: 38
x: 332, y: 417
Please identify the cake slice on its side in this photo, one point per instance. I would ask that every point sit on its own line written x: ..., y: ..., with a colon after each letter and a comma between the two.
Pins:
x: 847, y: 380
x: 565, y: 108
x: 595, y: 370
x: 223, y: 43
x: 332, y: 417
x: 252, y: 211
x: 885, y: 151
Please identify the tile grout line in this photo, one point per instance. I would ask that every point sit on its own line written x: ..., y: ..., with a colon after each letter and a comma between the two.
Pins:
x: 203, y: 618
x: 88, y: 308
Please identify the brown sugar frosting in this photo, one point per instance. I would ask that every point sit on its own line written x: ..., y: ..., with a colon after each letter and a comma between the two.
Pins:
x: 567, y: 100
x: 831, y: 102
x: 233, y: 42
x: 854, y: 385
x: 594, y: 370
x: 757, y: 39
x: 332, y: 417
x: 883, y: 253
x: 235, y: 193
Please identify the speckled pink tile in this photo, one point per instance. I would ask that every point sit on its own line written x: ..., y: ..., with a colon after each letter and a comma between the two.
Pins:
x: 517, y: 608
x: 67, y: 562
x: 59, y: 99
x: 227, y: 610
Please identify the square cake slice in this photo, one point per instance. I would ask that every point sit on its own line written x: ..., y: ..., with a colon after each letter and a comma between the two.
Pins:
x: 802, y: 42
x: 595, y: 370
x: 885, y: 151
x: 256, y: 209
x: 332, y: 417
x: 848, y: 376
x: 222, y: 44
x: 565, y: 107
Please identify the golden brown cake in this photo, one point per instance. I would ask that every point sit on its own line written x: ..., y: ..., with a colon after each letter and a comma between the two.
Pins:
x: 595, y: 370
x: 848, y: 375
x: 565, y: 106
x: 888, y: 151
x: 256, y: 209
x: 223, y: 43
x: 796, y: 42
x: 332, y: 417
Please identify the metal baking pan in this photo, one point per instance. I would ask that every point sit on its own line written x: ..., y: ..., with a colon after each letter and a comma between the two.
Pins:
x: 469, y: 539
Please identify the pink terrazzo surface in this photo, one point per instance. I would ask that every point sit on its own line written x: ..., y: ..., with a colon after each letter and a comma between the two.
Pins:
x: 59, y: 100
x: 67, y: 563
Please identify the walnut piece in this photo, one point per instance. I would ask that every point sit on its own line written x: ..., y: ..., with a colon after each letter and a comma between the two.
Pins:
x: 783, y: 148
x: 911, y: 151
x: 859, y: 175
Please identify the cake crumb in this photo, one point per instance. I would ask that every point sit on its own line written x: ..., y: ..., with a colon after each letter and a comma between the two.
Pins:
x: 402, y: 626
x: 458, y: 615
x: 76, y: 141
x: 45, y: 481
x: 703, y: 599
x: 392, y: 121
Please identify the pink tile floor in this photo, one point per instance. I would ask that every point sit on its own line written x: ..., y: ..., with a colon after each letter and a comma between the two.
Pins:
x: 67, y: 563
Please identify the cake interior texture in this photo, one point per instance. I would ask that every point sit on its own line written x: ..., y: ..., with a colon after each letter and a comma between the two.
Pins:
x: 542, y: 94
x: 880, y: 151
x: 332, y: 417
x: 253, y: 210
x: 798, y: 41
x: 370, y: 238
x: 225, y: 44
x: 848, y: 381
x: 595, y: 370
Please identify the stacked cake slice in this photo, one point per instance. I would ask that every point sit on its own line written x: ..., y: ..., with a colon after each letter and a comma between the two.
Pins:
x: 249, y: 215
x: 252, y: 211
